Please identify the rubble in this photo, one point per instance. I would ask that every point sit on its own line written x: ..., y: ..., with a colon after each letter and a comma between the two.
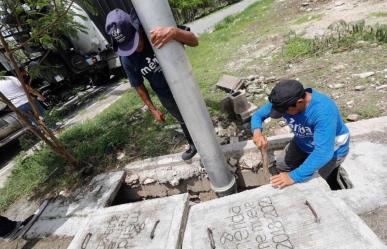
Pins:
x: 378, y: 88
x: 360, y: 88
x: 132, y: 179
x: 353, y: 117
x: 336, y: 86
x: 364, y: 75
x: 148, y: 181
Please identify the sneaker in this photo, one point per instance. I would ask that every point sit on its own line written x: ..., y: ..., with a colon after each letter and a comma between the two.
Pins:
x: 191, y: 152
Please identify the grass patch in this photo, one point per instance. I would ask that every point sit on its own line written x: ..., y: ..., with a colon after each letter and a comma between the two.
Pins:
x: 307, y: 18
x: 379, y: 14
x: 343, y: 36
x: 121, y: 127
x: 370, y: 110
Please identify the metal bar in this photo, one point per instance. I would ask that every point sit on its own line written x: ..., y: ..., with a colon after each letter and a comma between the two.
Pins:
x: 178, y: 72
x: 152, y: 235
x: 211, y: 238
x: 316, y: 217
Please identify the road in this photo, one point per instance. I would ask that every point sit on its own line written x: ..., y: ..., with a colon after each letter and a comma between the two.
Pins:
x: 207, y: 23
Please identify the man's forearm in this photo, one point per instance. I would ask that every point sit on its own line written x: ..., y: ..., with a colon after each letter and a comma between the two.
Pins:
x: 186, y: 37
x: 144, y: 95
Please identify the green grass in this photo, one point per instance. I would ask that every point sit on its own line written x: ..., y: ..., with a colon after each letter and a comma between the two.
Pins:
x: 369, y: 110
x: 379, y: 14
x: 307, y: 18
x: 122, y: 127
x: 220, y: 47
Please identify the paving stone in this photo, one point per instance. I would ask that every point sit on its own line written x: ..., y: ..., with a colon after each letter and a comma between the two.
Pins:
x: 228, y: 82
x: 271, y: 218
x: 131, y: 225
x: 366, y: 165
x: 64, y: 216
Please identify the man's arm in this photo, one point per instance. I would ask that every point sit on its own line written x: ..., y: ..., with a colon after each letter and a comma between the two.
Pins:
x: 144, y: 95
x: 256, y: 125
x: 162, y: 35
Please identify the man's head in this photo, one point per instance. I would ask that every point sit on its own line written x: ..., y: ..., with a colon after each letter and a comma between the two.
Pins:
x: 124, y: 29
x: 288, y: 96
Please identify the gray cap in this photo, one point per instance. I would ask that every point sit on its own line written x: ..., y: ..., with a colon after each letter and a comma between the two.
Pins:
x: 124, y: 31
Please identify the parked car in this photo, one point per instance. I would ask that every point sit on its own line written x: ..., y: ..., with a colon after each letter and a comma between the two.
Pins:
x: 10, y: 127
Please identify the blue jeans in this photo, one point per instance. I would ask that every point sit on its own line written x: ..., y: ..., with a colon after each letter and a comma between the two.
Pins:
x: 27, y: 109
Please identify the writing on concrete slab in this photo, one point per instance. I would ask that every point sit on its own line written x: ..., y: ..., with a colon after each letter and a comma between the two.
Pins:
x: 255, y: 225
x: 120, y: 230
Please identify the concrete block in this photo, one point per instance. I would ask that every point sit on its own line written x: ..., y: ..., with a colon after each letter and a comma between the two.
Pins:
x: 132, y: 225
x: 239, y: 102
x: 229, y: 83
x: 64, y: 216
x: 246, y: 115
x: 366, y: 165
x: 271, y: 218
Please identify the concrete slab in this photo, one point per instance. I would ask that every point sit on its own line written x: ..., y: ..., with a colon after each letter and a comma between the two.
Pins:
x: 156, y: 223
x: 270, y: 218
x: 229, y: 82
x: 366, y: 166
x: 65, y: 216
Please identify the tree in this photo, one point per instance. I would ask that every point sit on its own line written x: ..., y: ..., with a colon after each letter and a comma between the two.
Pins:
x: 38, y: 23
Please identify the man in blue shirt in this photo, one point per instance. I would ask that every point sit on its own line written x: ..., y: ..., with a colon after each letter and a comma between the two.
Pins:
x: 139, y: 62
x: 321, y: 139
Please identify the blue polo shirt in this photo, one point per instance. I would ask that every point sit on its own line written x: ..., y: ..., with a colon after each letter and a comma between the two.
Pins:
x: 319, y: 131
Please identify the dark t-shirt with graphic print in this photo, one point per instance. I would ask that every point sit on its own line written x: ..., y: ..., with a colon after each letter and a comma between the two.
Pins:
x: 145, y: 64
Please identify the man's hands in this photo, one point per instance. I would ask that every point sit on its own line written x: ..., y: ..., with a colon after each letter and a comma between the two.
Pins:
x: 159, y: 117
x: 281, y: 180
x: 259, y: 139
x: 162, y: 35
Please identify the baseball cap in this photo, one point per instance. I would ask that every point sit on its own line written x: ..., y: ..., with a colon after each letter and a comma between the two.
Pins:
x: 283, y: 95
x: 123, y: 28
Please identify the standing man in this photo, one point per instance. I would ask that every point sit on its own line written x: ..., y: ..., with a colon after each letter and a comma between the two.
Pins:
x: 13, y: 90
x: 321, y: 139
x: 139, y: 61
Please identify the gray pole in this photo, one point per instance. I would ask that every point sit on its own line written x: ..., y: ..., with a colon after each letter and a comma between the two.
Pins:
x: 178, y: 72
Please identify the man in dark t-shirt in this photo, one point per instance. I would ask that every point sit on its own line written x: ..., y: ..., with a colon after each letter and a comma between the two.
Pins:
x: 139, y: 62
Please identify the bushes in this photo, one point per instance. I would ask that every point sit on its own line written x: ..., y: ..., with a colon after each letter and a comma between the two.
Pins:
x: 342, y: 36
x: 189, y: 10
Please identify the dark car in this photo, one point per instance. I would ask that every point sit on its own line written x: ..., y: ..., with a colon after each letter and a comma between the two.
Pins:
x: 10, y: 127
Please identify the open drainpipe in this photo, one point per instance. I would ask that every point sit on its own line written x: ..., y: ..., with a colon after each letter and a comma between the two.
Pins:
x: 178, y: 72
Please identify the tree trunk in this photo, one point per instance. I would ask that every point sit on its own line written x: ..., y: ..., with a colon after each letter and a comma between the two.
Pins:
x: 41, y: 131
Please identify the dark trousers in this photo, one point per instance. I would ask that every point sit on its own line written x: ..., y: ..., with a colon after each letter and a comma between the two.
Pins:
x: 169, y: 103
x: 294, y: 157
x: 6, y: 226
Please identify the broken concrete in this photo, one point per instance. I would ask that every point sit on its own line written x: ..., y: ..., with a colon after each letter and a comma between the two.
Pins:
x: 157, y: 223
x: 270, y: 218
x: 229, y: 83
x: 65, y: 216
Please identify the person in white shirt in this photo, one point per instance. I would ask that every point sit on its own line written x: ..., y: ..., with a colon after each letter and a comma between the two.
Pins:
x: 13, y: 90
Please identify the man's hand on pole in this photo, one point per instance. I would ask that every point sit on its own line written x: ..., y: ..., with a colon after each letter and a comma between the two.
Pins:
x: 162, y: 35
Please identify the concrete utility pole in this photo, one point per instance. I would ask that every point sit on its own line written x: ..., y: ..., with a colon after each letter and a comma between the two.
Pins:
x: 178, y: 72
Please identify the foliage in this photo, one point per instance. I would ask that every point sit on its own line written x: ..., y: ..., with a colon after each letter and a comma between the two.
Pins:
x: 189, y: 10
x: 343, y: 36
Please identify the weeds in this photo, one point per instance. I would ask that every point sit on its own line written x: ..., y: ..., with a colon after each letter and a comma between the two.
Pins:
x: 342, y: 36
